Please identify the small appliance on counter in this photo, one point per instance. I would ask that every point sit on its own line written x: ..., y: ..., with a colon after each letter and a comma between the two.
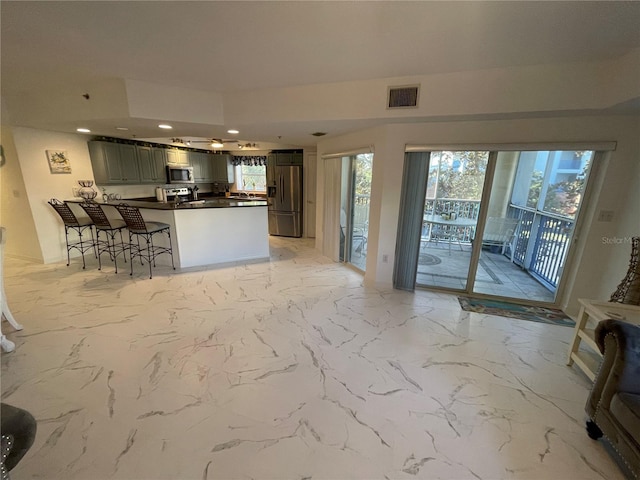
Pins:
x: 161, y: 194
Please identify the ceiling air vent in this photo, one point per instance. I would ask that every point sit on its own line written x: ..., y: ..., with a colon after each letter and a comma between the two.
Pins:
x: 403, y: 97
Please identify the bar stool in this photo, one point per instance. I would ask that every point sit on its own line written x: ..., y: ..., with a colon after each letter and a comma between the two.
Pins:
x: 145, y: 230
x: 78, y: 225
x: 110, y: 228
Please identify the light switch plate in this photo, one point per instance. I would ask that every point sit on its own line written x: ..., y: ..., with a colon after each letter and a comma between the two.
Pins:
x: 605, y: 216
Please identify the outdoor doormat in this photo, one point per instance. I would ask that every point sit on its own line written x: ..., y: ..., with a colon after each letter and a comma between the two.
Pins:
x: 551, y: 316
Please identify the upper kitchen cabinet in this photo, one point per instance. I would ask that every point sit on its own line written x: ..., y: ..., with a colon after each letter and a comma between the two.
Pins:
x: 287, y: 158
x: 177, y: 157
x: 271, y: 169
x: 114, y: 163
x: 152, y: 161
x: 222, y: 170
x: 202, y: 166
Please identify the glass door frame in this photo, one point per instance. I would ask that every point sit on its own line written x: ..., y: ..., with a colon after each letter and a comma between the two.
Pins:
x: 476, y: 248
x: 595, y: 172
x: 471, y: 267
x: 347, y: 205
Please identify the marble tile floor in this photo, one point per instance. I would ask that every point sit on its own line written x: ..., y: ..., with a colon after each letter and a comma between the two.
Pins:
x: 288, y: 369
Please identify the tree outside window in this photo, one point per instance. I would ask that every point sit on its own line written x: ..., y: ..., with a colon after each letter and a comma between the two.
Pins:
x: 457, y: 175
x: 251, y: 178
x: 551, y: 182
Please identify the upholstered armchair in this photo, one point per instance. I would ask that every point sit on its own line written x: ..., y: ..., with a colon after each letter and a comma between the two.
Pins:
x: 18, y: 433
x: 613, y: 406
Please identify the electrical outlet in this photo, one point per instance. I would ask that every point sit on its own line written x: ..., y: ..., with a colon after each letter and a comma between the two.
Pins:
x: 385, y: 258
x: 605, y: 216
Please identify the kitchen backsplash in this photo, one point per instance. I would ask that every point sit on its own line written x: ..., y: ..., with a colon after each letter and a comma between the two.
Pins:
x: 141, y: 191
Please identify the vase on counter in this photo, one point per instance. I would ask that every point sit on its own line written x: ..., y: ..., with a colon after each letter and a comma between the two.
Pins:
x: 86, y: 191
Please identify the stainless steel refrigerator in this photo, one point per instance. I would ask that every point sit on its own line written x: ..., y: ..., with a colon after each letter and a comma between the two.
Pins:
x: 284, y: 198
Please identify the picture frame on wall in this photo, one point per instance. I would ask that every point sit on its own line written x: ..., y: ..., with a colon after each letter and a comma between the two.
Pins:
x: 58, y: 161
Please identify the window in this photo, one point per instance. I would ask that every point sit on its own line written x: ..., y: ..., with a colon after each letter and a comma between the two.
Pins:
x: 251, y: 178
x: 551, y: 181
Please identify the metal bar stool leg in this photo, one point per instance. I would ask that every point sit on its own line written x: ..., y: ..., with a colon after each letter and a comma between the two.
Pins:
x: 66, y: 240
x: 170, y: 248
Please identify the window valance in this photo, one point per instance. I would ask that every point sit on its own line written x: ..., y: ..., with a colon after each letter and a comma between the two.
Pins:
x: 252, y: 160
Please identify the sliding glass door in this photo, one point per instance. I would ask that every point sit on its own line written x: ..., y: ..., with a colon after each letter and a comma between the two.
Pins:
x: 354, y: 209
x: 493, y: 223
x: 532, y: 211
x: 453, y: 196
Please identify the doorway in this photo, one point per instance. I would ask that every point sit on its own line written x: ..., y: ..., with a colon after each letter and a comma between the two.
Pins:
x: 455, y: 183
x: 500, y: 223
x: 354, y: 208
x: 532, y: 211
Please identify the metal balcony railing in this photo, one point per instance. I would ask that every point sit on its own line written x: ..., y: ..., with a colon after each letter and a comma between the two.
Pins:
x: 542, y: 243
x: 462, y: 208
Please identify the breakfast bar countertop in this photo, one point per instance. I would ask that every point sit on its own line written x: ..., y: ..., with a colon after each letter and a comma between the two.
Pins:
x: 215, y: 202
x: 193, y: 225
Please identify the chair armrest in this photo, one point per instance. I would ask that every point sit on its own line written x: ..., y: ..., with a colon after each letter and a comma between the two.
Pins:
x: 619, y: 343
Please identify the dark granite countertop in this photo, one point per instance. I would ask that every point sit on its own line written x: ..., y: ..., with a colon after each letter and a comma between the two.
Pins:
x: 211, y: 202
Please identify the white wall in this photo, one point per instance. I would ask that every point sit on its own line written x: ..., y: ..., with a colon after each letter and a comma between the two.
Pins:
x: 600, y: 266
x: 15, y: 213
x: 41, y: 185
x: 513, y: 91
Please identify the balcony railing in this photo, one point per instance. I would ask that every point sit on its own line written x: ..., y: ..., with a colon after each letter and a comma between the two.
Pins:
x: 542, y: 243
x: 541, y: 240
x: 463, y: 208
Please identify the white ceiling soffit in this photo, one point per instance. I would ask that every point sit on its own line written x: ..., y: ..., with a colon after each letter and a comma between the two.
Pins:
x: 516, y: 147
x: 235, y: 48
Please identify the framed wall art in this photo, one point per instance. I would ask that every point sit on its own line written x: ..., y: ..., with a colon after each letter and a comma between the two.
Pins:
x: 58, y: 161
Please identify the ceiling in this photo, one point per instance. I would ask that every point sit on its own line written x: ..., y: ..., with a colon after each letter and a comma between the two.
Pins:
x: 231, y: 47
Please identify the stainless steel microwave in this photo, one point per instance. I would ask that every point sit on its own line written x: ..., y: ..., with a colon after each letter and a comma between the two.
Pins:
x: 179, y: 174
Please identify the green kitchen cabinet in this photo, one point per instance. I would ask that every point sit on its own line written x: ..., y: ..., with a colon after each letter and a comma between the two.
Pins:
x: 271, y: 169
x: 222, y: 170
x: 202, y: 166
x: 286, y: 158
x: 114, y: 163
x: 151, y: 162
x: 177, y: 157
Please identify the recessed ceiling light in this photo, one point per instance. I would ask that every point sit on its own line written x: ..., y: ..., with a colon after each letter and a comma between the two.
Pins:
x: 165, y: 126
x: 233, y: 131
x: 122, y: 128
x: 83, y: 130
x: 319, y: 134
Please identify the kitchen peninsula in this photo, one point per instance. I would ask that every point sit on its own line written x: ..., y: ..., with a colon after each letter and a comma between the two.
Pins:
x: 211, y: 231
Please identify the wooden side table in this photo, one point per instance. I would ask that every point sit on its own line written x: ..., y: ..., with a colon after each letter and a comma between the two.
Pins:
x: 592, y: 312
